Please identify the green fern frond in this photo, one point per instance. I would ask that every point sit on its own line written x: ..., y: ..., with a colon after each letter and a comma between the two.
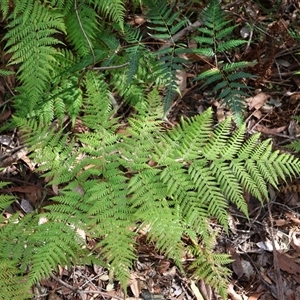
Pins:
x: 6, y: 72
x: 170, y: 226
x: 114, y: 178
x: 11, y: 286
x: 64, y: 5
x: 82, y: 28
x: 165, y: 24
x: 5, y: 200
x: 134, y: 52
x: 114, y: 9
x: 216, y: 38
x: 47, y: 253
x: 211, y: 267
x: 294, y: 146
x: 4, y: 8
x: 166, y: 69
x: 34, y: 249
x: 31, y: 45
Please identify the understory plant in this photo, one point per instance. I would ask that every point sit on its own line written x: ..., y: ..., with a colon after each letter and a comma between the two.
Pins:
x: 215, y: 38
x: 117, y: 176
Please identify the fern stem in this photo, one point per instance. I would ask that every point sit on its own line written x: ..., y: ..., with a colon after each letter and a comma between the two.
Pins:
x: 109, y: 67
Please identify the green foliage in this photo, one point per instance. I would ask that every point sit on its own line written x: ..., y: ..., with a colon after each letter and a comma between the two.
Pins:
x: 165, y: 23
x: 107, y: 187
x: 215, y: 37
x: 115, y: 179
x: 32, y: 46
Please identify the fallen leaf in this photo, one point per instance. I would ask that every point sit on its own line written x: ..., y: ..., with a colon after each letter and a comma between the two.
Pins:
x: 287, y: 263
x: 134, y: 285
x: 280, y: 222
x: 271, y: 131
x: 255, y: 296
x: 181, y: 80
x: 257, y: 101
x: 295, y: 241
x: 196, y: 291
x: 292, y: 217
x: 236, y: 264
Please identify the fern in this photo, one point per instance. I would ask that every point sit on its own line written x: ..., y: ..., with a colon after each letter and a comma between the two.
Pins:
x: 165, y: 24
x: 215, y: 38
x: 114, y: 9
x: 113, y: 178
x: 82, y: 28
x: 109, y: 178
x: 10, y: 284
x: 31, y: 45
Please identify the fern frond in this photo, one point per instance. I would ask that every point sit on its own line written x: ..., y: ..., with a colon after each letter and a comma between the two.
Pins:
x: 6, y: 72
x: 47, y: 253
x: 10, y: 283
x: 161, y: 229
x: 165, y: 24
x: 82, y: 28
x: 31, y: 45
x: 134, y: 52
x: 5, y: 200
x: 4, y: 8
x: 211, y: 267
x: 215, y: 38
x: 114, y: 9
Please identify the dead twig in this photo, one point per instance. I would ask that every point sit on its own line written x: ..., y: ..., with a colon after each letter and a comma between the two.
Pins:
x: 180, y: 34
x: 81, y: 292
x: 278, y: 279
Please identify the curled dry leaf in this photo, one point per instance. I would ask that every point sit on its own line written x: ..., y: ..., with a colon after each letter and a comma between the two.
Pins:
x: 134, y: 285
x: 295, y: 240
x: 270, y: 131
x: 257, y: 101
x: 181, y: 80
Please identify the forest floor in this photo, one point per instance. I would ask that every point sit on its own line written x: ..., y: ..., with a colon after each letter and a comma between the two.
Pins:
x: 265, y: 247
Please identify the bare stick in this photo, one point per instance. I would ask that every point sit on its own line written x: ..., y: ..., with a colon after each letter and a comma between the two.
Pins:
x: 109, y: 67
x: 180, y: 34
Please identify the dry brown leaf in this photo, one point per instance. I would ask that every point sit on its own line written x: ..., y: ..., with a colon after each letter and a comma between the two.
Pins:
x: 257, y: 101
x: 292, y: 217
x: 280, y: 222
x: 266, y: 278
x: 134, y: 284
x: 236, y: 264
x: 295, y: 241
x: 271, y: 131
x: 205, y: 290
x: 32, y: 192
x: 257, y: 114
x: 28, y: 162
x: 255, y: 296
x: 233, y: 294
x: 196, y: 291
x: 287, y: 263
x: 181, y: 80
